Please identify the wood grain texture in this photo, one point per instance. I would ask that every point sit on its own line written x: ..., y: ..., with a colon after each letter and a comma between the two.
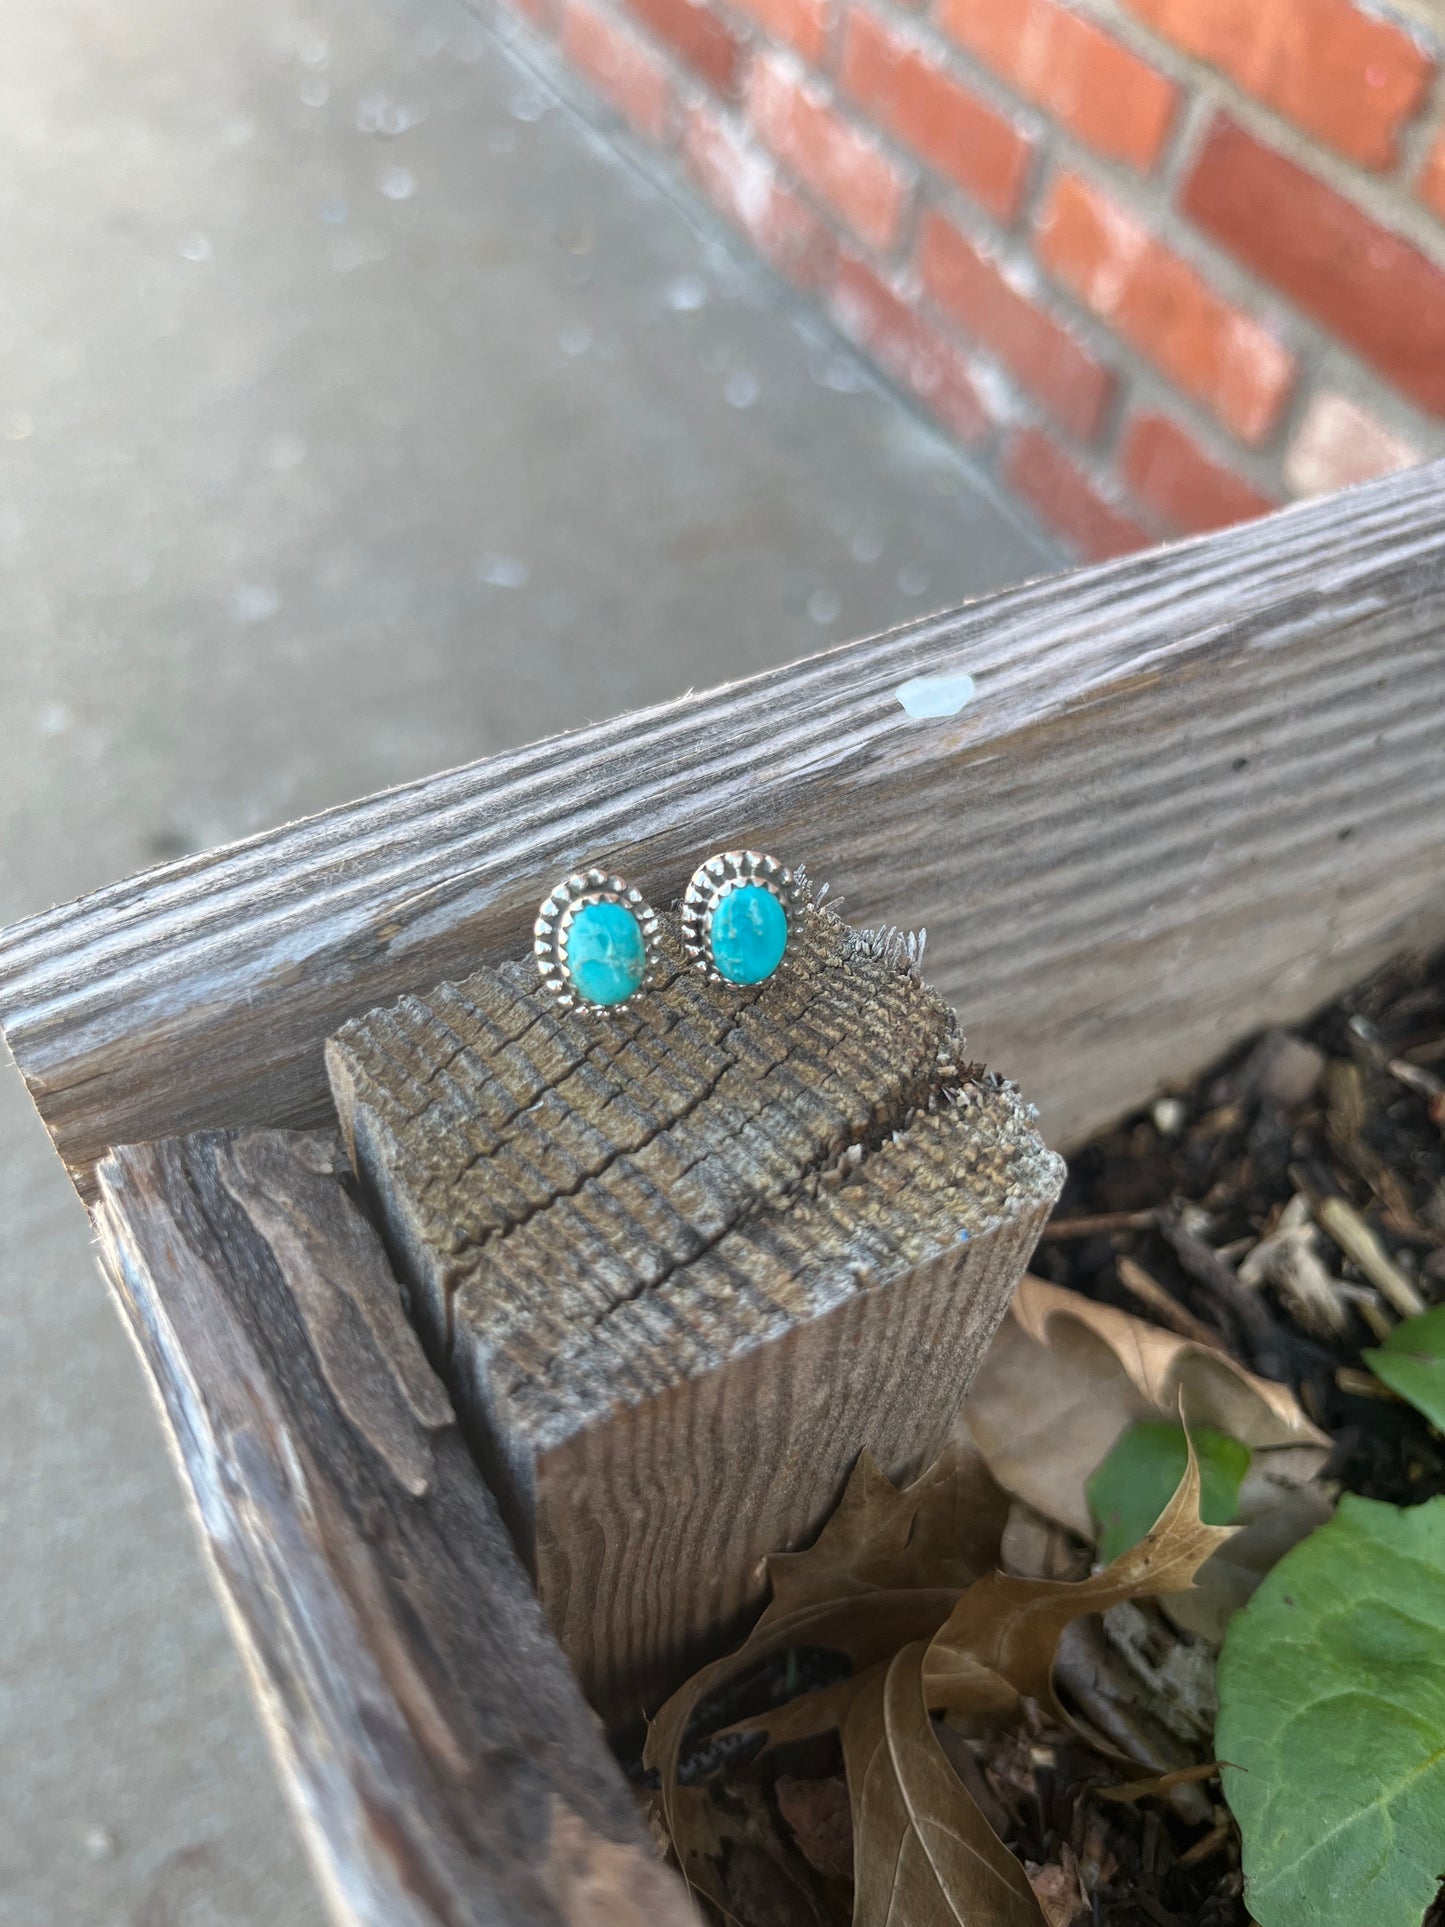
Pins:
x: 681, y: 1263
x: 443, y: 1766
x: 1197, y: 791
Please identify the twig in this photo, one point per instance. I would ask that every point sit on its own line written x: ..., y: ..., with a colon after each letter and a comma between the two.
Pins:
x: 1425, y: 1084
x: 1157, y: 1783
x: 1358, y: 1384
x: 1165, y: 1306
x: 1287, y: 1259
x: 1422, y: 1082
x: 1213, y: 1275
x: 1366, y: 1301
x: 1205, y: 1848
x: 1361, y: 1244
x: 1089, y: 1227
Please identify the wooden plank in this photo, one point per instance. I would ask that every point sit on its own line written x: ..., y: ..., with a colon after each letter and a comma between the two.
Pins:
x: 681, y: 1262
x: 1197, y: 791
x: 442, y: 1763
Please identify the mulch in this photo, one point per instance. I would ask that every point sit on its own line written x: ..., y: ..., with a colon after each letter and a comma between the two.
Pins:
x: 1349, y: 1109
x: 1162, y: 1216
x: 1288, y: 1206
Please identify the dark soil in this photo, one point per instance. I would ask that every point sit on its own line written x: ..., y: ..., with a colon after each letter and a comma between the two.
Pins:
x: 1352, y: 1106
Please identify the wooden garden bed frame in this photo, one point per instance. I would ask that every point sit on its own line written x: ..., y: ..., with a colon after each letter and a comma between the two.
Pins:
x: 1194, y: 792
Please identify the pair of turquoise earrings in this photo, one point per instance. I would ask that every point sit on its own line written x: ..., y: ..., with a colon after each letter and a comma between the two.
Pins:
x: 596, y: 936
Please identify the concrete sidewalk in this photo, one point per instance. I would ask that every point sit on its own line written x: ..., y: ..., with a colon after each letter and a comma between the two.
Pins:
x: 361, y: 413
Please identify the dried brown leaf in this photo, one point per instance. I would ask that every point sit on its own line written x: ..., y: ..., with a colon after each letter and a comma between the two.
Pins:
x: 941, y: 1530
x: 750, y: 1875
x: 1045, y: 1408
x: 817, y: 1812
x: 884, y: 1571
x: 922, y: 1850
x: 1039, y: 1548
x: 1012, y: 1626
x: 1280, y: 1502
x: 712, y: 1830
x: 1066, y: 1377
x: 1060, y: 1892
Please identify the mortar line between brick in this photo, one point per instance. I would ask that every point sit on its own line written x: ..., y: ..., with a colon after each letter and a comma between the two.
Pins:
x: 1321, y: 354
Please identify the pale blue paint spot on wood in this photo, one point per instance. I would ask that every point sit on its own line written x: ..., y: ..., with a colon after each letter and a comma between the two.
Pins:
x: 925, y: 696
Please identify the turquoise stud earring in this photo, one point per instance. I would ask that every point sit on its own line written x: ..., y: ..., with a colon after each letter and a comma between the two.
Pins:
x: 736, y: 916
x: 594, y: 941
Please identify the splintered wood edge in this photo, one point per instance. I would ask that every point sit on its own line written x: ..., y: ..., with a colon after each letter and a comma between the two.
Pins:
x: 1197, y: 791
x: 443, y: 1765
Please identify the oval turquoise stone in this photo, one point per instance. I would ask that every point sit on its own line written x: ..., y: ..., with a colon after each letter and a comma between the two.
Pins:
x: 606, y: 958
x: 748, y: 934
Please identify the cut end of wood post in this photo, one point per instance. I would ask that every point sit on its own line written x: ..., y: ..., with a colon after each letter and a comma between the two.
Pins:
x: 680, y: 1264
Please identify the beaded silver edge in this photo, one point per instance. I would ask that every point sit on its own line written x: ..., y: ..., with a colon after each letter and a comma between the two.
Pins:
x: 714, y: 880
x: 549, y: 933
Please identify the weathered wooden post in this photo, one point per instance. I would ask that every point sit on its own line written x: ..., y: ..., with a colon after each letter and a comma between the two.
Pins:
x: 680, y: 1264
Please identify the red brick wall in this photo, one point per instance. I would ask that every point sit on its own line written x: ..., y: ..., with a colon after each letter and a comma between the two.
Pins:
x: 1165, y: 263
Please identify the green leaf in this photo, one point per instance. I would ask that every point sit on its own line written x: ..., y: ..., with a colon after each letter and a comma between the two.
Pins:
x: 1332, y: 1716
x: 1138, y: 1478
x: 1412, y: 1362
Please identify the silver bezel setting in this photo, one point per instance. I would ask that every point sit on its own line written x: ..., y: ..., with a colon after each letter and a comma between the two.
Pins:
x: 718, y: 878
x: 554, y: 920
